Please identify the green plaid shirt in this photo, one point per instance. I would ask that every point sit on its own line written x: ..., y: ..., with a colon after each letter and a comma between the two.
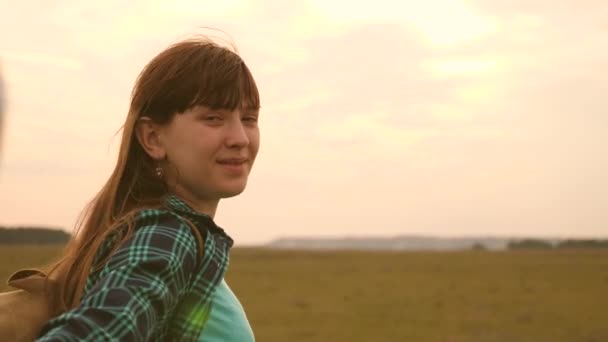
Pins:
x: 152, y: 288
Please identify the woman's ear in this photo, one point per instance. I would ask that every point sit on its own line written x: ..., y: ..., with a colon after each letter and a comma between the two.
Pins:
x: 148, y: 135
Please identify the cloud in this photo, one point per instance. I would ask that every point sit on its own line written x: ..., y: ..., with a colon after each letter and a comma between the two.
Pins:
x: 367, y: 121
x: 440, y: 22
x: 44, y: 60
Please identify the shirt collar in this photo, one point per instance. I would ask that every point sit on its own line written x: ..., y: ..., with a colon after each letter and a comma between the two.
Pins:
x: 175, y: 203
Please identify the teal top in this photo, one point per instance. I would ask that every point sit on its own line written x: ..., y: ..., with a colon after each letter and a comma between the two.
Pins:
x: 227, y: 320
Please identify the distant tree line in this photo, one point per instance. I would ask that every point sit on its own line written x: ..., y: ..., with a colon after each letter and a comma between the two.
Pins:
x: 33, y: 235
x: 563, y: 244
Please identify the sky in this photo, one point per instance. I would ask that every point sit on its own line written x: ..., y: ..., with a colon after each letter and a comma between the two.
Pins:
x: 379, y: 118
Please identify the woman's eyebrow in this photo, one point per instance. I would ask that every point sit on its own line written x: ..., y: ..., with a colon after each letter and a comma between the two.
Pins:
x: 251, y: 110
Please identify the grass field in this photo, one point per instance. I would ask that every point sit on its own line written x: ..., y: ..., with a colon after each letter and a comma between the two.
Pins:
x: 409, y: 296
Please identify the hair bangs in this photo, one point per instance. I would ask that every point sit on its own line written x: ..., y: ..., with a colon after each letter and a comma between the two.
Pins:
x: 200, y: 74
x: 226, y: 88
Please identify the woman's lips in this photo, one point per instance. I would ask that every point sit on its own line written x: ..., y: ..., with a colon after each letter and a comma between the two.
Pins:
x: 233, y: 165
x: 232, y: 160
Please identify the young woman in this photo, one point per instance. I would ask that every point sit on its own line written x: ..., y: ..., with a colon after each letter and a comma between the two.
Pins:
x: 148, y: 261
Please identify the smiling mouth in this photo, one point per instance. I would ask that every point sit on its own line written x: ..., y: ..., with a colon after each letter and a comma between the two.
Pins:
x: 232, y: 161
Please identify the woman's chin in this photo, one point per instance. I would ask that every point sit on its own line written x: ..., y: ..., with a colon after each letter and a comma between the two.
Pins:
x: 231, y: 190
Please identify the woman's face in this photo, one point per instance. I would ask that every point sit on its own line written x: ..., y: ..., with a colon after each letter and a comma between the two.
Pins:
x: 210, y: 152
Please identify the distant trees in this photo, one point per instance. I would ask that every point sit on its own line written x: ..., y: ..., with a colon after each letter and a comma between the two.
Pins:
x: 529, y: 244
x: 583, y: 244
x: 564, y: 244
x: 33, y: 235
x: 478, y: 246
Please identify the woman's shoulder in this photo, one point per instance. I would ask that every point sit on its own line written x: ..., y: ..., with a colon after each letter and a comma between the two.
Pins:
x: 155, y: 236
x: 152, y: 230
x: 164, y: 223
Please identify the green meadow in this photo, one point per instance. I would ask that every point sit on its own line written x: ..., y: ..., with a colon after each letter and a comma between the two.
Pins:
x: 408, y: 296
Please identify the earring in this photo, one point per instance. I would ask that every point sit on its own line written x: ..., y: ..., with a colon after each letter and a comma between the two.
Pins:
x: 159, y: 171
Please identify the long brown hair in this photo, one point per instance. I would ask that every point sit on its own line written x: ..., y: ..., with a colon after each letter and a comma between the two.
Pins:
x: 189, y: 73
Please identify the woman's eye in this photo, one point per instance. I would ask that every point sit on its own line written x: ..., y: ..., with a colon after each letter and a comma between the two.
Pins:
x: 213, y: 118
x: 250, y: 119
